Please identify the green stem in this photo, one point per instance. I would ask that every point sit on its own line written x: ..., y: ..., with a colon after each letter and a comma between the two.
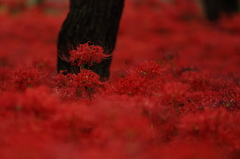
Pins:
x: 89, y: 93
x: 79, y: 92
x: 81, y: 67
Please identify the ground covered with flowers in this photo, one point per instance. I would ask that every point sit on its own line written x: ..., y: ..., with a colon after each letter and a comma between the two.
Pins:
x: 174, y: 90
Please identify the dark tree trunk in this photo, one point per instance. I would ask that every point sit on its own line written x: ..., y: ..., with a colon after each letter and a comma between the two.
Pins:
x: 96, y: 21
x: 214, y: 8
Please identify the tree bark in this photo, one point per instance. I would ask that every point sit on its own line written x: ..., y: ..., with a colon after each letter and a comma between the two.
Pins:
x: 96, y: 21
x: 214, y: 8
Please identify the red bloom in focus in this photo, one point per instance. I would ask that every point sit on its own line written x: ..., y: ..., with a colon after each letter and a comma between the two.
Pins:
x: 83, y: 82
x: 87, y: 78
x: 87, y: 54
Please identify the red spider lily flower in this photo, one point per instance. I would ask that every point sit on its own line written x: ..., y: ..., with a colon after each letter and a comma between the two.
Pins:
x: 63, y: 81
x: 151, y: 69
x: 217, y: 126
x: 71, y: 84
x: 175, y: 89
x: 87, y: 78
x: 130, y: 85
x: 87, y: 54
x: 27, y: 76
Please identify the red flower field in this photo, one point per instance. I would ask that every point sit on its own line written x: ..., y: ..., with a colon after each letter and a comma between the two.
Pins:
x: 173, y: 93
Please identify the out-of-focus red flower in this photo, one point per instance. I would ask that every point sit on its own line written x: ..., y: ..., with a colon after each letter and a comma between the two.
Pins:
x: 198, y: 81
x: 130, y: 86
x: 150, y: 69
x: 26, y: 76
x: 218, y: 127
x: 175, y: 89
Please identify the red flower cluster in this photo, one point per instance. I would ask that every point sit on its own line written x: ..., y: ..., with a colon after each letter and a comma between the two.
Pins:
x: 26, y: 77
x: 87, y: 54
x: 151, y: 69
x: 86, y: 80
x: 144, y: 79
x: 182, y: 101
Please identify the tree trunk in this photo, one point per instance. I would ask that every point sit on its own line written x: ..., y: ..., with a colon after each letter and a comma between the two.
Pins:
x: 96, y: 21
x: 214, y: 8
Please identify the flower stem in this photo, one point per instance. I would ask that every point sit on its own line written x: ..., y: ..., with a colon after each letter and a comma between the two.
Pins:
x: 89, y: 93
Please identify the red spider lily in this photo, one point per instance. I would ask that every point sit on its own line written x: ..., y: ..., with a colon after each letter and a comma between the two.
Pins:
x: 218, y: 127
x: 63, y: 81
x: 152, y: 111
x: 144, y: 79
x: 130, y: 86
x: 87, y: 54
x: 27, y: 76
x: 83, y: 81
x: 87, y: 78
x: 151, y: 69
